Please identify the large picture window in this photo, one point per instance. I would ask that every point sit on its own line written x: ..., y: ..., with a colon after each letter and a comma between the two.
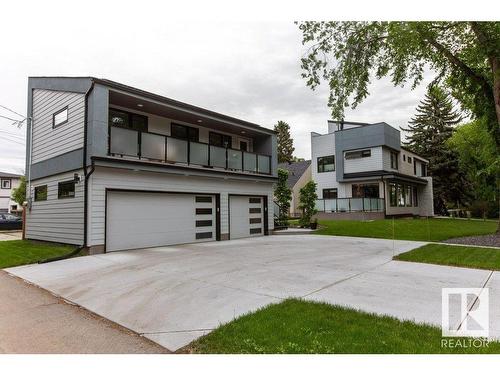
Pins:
x: 365, y: 191
x: 221, y: 140
x: 329, y: 193
x: 403, y: 195
x: 326, y: 163
x: 184, y: 132
x: 358, y: 154
x: 128, y: 120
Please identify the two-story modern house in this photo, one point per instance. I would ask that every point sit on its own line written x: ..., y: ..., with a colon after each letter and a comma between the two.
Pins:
x: 8, y: 182
x: 361, y: 167
x: 112, y: 167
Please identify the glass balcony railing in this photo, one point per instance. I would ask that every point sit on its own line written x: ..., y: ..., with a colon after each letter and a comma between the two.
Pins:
x: 158, y: 147
x: 350, y: 205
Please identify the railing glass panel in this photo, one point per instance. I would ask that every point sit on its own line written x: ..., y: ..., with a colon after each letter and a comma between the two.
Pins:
x: 343, y: 205
x: 234, y: 159
x: 264, y: 164
x: 124, y: 142
x: 249, y: 162
x: 177, y: 150
x: 153, y: 146
x: 217, y: 156
x: 330, y: 205
x: 198, y: 153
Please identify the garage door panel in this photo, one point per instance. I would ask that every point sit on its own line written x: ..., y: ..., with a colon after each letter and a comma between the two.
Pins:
x: 246, y: 216
x: 138, y: 220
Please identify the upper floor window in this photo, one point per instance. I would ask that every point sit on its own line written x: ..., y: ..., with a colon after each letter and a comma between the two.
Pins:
x: 409, y: 159
x: 424, y: 170
x: 404, y: 157
x: 60, y: 117
x: 40, y: 193
x: 394, y: 160
x: 329, y: 193
x: 184, y: 132
x: 128, y: 120
x: 6, y: 183
x: 358, y: 154
x: 221, y: 140
x: 66, y: 189
x: 326, y: 163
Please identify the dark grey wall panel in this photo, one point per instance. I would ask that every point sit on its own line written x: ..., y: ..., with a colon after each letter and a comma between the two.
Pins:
x: 375, y: 135
x: 66, y: 162
x: 97, y: 130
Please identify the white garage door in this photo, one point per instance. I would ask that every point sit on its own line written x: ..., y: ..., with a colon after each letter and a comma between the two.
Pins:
x: 246, y: 215
x: 137, y: 220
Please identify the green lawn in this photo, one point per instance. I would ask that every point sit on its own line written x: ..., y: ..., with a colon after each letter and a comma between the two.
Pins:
x: 461, y: 256
x: 19, y: 252
x: 408, y: 229
x: 296, y: 326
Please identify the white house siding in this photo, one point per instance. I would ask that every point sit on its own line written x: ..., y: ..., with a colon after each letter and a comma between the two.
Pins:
x: 323, y: 145
x: 6, y: 202
x: 57, y: 220
x: 386, y: 160
x: 372, y: 163
x: 47, y: 141
x: 103, y: 178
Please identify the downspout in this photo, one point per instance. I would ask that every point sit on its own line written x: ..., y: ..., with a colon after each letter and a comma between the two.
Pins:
x: 86, y: 173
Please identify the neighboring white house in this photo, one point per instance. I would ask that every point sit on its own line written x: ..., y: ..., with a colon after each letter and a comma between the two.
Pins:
x: 114, y: 168
x: 360, y: 167
x: 8, y: 182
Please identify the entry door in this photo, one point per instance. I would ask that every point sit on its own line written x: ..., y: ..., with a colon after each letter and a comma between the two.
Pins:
x: 246, y: 216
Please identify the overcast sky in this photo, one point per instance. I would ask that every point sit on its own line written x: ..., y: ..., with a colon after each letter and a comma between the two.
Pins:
x: 249, y: 70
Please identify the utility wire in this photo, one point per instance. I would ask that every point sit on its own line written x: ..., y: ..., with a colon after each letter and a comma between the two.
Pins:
x: 10, y: 110
x: 12, y: 134
x: 12, y: 140
x: 9, y: 118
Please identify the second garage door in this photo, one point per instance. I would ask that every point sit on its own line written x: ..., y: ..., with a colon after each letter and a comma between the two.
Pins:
x: 137, y: 220
x: 246, y: 216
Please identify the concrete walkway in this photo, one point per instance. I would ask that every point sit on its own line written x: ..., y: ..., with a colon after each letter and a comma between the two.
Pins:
x: 34, y: 321
x: 173, y: 295
x: 10, y: 235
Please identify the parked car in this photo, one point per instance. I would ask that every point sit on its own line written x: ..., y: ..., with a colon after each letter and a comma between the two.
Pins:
x: 9, y: 221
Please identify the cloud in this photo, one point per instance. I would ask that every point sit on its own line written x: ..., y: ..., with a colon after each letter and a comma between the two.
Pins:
x: 250, y: 70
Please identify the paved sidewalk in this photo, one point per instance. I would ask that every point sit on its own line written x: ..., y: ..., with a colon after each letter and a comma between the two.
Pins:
x: 11, y: 235
x: 34, y: 321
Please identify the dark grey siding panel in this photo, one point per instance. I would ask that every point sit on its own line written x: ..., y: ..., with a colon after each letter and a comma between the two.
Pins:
x: 62, y: 163
x: 97, y: 131
x: 375, y: 135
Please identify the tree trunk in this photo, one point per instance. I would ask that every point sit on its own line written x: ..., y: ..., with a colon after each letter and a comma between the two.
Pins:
x: 495, y: 67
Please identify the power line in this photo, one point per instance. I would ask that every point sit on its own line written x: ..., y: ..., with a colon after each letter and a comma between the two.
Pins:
x: 11, y: 140
x: 12, y: 134
x: 10, y: 110
x: 9, y: 118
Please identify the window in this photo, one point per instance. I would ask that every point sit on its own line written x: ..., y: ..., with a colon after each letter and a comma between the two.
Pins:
x: 6, y: 183
x: 40, y: 193
x: 255, y: 230
x: 184, y: 132
x: 60, y: 117
x: 203, y: 235
x: 243, y: 145
x: 221, y: 140
x: 13, y: 207
x: 330, y: 193
x: 203, y: 211
x: 203, y: 223
x: 401, y: 195
x: 358, y: 154
x: 424, y: 170
x: 254, y: 210
x: 253, y: 200
x: 326, y: 163
x: 365, y: 190
x: 415, y: 197
x: 255, y: 220
x: 394, y: 160
x: 203, y: 199
x: 414, y: 166
x: 404, y: 157
x: 128, y: 120
x: 409, y: 159
x: 408, y: 195
x: 393, y: 195
x: 66, y: 189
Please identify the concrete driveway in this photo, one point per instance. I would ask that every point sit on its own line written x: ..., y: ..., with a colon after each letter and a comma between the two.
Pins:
x: 172, y: 295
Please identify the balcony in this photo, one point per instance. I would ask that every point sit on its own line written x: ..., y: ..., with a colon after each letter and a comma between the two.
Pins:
x: 350, y: 205
x: 160, y: 148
